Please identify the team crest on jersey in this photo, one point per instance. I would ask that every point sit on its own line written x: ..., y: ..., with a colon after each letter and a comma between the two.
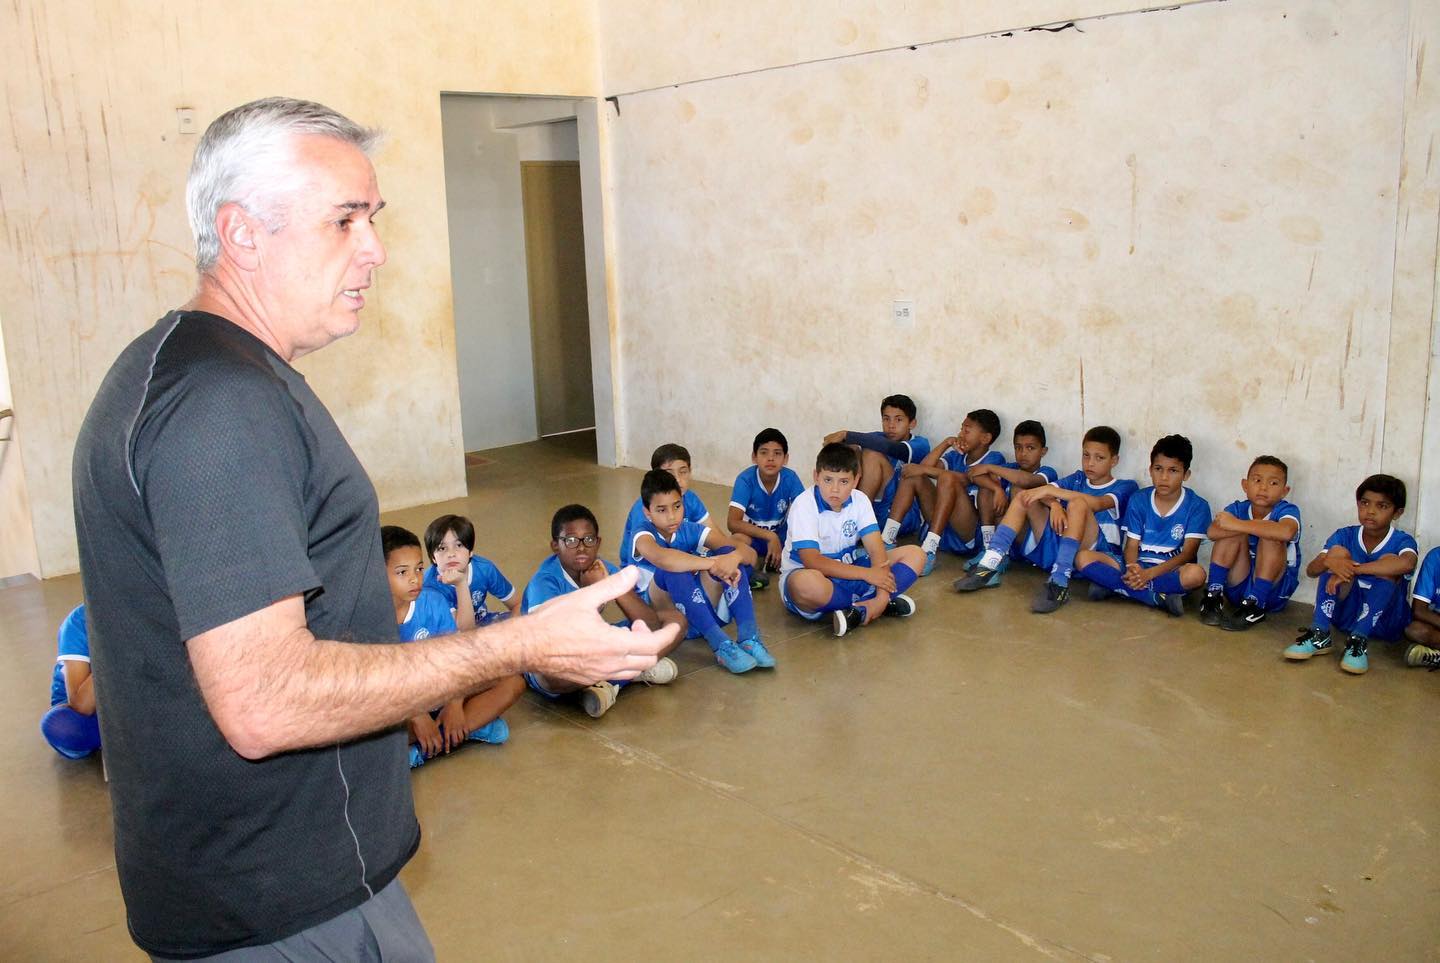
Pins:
x: 697, y: 597
x: 477, y: 598
x: 1364, y: 611
x: 422, y: 634
x: 849, y: 528
x: 1178, y: 533
x: 1328, y: 608
x: 783, y: 505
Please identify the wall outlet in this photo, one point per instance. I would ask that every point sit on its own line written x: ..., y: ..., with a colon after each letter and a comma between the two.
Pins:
x: 903, y: 313
x: 185, y: 119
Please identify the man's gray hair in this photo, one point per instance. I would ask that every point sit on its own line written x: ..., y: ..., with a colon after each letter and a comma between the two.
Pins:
x: 246, y: 156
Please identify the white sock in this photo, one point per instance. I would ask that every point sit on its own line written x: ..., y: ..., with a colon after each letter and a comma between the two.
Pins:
x: 990, y: 560
x: 890, y: 532
x: 931, y: 543
x: 985, y: 532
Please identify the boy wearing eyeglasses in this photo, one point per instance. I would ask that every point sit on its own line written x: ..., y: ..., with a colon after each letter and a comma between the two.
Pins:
x: 575, y: 561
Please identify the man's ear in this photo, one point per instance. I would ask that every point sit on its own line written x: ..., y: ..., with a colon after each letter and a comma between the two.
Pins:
x: 237, y: 231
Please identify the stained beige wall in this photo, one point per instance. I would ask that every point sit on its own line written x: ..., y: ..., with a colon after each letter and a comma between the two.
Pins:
x: 92, y: 225
x: 1183, y: 220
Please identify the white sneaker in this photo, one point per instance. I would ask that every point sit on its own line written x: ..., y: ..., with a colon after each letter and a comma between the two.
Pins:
x: 598, y: 698
x: 662, y: 672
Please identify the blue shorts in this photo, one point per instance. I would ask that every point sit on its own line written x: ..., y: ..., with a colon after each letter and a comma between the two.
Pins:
x: 1039, y: 552
x: 860, y: 588
x: 1279, y: 598
x: 913, y: 521
x: 532, y: 680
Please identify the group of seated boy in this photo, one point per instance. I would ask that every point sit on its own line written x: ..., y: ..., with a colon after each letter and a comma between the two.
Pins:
x: 834, y: 547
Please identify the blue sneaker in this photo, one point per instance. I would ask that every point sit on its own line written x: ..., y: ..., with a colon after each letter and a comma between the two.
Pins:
x: 757, y: 651
x: 1310, y: 642
x: 417, y: 758
x: 734, y: 658
x: 929, y: 564
x: 1355, y: 661
x: 494, y: 732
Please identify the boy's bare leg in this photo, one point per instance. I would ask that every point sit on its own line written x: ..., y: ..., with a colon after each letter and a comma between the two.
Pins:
x: 1269, y: 559
x: 1423, y: 633
x: 875, y: 472
x: 809, y: 589
x: 906, y: 492
x: 487, y: 706
x: 961, y: 514
x: 908, y: 555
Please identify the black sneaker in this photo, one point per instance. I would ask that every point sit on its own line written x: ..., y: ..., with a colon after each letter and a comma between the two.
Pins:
x: 1212, y: 608
x: 1172, y: 602
x: 1248, y: 615
x: 1098, y: 592
x: 1050, y: 597
x: 846, y: 620
x: 759, y: 581
x: 900, y: 606
x: 979, y: 577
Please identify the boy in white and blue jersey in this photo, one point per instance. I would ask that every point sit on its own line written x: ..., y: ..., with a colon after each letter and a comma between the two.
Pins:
x: 1364, y: 575
x: 883, y: 453
x: 1255, y: 555
x: 450, y: 545
x: 761, y: 497
x: 668, y: 550
x: 832, y: 547
x: 71, y: 727
x: 1163, y: 528
x: 422, y: 613
x: 1424, y: 629
x: 676, y: 460
x: 574, y: 562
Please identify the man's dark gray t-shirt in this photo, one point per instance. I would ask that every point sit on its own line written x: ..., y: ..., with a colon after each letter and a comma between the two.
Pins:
x: 210, y: 482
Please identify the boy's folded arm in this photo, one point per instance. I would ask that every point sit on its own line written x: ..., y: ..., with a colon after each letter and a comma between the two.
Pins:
x: 670, y: 559
x: 1389, y: 566
x: 877, y: 441
x: 813, y: 558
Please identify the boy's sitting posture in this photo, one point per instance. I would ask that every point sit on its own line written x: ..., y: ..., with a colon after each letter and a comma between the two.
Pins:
x: 1255, y: 559
x: 1424, y: 628
x: 1164, y: 526
x: 834, y: 559
x: 1001, y: 484
x: 422, y: 613
x: 667, y: 548
x: 676, y: 460
x: 957, y: 512
x: 449, y: 544
x: 575, y: 561
x: 883, y: 452
x: 70, y: 726
x: 761, y: 497
x: 1364, y: 572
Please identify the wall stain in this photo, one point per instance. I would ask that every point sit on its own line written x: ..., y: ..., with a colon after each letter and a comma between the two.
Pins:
x: 1302, y: 229
x: 687, y: 111
x: 1133, y: 165
x: 922, y: 91
x: 1233, y: 214
x: 802, y: 135
x: 1073, y: 220
x: 846, y: 32
x: 996, y: 90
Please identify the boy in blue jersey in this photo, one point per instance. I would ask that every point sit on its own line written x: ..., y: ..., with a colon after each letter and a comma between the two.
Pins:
x: 575, y: 562
x: 883, y: 452
x: 450, y: 546
x: 761, y: 497
x: 676, y: 460
x: 954, y: 512
x: 667, y: 549
x: 1255, y: 555
x: 1163, y: 528
x: 423, y: 613
x: 1364, y: 575
x: 832, y: 548
x: 1423, y: 632
x: 71, y: 726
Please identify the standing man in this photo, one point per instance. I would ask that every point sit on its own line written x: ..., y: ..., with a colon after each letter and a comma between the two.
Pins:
x: 242, y: 636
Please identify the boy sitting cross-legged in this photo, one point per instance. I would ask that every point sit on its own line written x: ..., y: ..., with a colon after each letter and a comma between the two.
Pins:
x: 1364, y: 575
x: 575, y: 562
x: 762, y: 495
x: 1255, y: 558
x: 1164, y: 526
x: 676, y: 460
x: 834, y: 559
x: 464, y: 578
x: 667, y: 548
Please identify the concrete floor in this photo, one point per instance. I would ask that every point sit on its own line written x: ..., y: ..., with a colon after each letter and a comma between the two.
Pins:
x: 976, y: 783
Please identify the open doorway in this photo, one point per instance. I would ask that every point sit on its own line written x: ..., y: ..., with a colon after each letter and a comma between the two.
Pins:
x: 527, y: 269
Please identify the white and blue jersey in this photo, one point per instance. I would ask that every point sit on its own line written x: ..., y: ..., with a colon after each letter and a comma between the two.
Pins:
x: 1118, y: 490
x: 72, y: 645
x: 695, y: 511
x: 552, y: 581
x: 766, y: 508
x: 429, y: 615
x: 689, y: 537
x: 1286, y: 584
x: 834, y: 534
x: 1427, y: 583
x: 1163, y: 535
x: 1395, y: 542
x: 485, y: 579
x: 955, y: 460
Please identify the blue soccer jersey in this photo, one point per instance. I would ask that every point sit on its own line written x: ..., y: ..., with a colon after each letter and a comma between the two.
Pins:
x: 761, y: 507
x: 1240, y: 508
x: 1048, y: 475
x: 1395, y: 542
x: 1427, y: 583
x: 955, y: 460
x: 695, y: 511
x: 485, y: 579
x: 1161, y: 536
x: 551, y: 581
x: 1119, y: 490
x: 429, y: 615
x: 834, y: 534
x: 72, y: 644
x: 919, y: 447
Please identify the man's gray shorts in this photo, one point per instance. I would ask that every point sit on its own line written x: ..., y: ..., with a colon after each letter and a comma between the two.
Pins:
x: 383, y: 929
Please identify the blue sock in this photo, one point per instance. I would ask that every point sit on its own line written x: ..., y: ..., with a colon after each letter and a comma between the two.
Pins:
x: 1325, y: 603
x: 840, y: 598
x: 690, y: 598
x: 1260, y: 590
x: 905, y: 575
x: 1218, y: 576
x: 1064, y: 560
x: 72, y: 734
x: 1169, y: 583
x: 742, y: 606
x: 1106, y: 576
x: 1002, y: 539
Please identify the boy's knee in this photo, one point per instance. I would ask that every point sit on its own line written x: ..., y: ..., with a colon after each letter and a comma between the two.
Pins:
x: 1192, y: 576
x: 909, y: 555
x: 1338, y: 551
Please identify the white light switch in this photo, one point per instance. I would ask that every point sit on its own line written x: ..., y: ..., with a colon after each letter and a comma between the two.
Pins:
x: 903, y: 313
x: 185, y: 119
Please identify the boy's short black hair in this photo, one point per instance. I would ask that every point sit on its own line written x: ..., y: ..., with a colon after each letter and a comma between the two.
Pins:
x: 657, y: 481
x: 987, y: 420
x: 1030, y: 428
x: 463, y: 528
x: 838, y: 456
x: 1387, y: 487
x: 667, y: 453
x: 1273, y: 462
x: 571, y: 513
x: 1104, y: 435
x: 768, y: 435
x: 902, y: 402
x: 1177, y: 447
x: 393, y: 537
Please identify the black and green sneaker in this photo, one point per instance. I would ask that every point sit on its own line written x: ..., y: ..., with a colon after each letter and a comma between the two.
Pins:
x: 1050, y: 597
